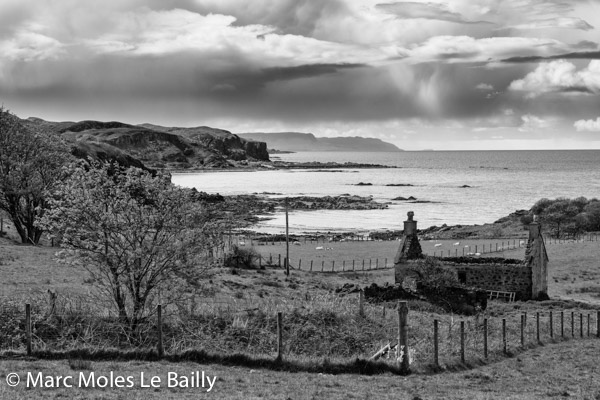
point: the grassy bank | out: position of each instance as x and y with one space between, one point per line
567 369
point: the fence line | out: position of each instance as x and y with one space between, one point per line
360 265
434 345
280 240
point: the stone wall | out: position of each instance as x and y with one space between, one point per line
526 278
506 278
500 277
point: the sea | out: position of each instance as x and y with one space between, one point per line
458 187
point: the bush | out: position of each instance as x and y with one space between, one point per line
242 258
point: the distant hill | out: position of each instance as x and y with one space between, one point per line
295 141
155 146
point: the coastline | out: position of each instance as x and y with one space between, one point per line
280 165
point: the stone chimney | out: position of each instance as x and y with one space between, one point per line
535 229
410 225
409 250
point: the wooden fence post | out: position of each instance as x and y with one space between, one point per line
598 324
403 336
159 346
344 265
572 323
28 327
436 360
311 265
279 336
279 260
522 330
551 326
333 266
562 324
504 335
537 326
300 263
485 338
462 342
352 265
581 324
322 265
588 323
361 301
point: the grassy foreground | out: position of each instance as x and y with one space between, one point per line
567 369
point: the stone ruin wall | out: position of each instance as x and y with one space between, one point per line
497 277
505 278
528 280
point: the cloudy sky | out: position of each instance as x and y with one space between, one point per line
457 74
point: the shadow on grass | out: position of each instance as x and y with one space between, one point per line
432 369
356 366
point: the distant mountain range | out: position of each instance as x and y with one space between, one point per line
295 141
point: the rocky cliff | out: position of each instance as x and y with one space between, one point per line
157 146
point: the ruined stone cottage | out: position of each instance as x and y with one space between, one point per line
523 279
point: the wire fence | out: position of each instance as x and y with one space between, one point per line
279 261
326 326
279 240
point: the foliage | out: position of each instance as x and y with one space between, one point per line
29 165
141 238
431 274
242 258
568 217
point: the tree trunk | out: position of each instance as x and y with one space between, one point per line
14 217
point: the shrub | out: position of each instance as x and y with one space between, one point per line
242 258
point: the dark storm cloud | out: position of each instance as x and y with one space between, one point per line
248 82
585 44
303 71
584 55
12 15
433 11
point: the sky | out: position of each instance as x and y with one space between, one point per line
444 75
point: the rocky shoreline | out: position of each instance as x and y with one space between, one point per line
506 227
248 207
249 166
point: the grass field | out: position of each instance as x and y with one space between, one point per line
569 368
562 370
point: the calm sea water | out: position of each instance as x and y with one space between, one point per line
500 183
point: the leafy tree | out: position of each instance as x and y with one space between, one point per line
560 214
539 207
592 215
29 166
138 235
